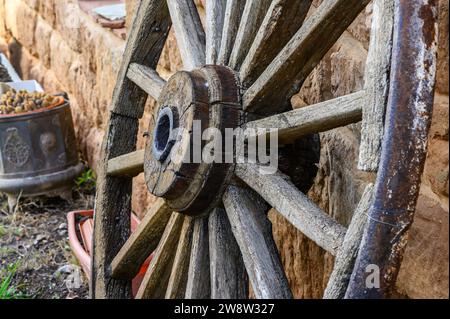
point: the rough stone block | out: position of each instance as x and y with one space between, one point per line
61 58
307 266
141 199
317 86
69 22
33 4
21 21
439 125
42 37
347 66
47 10
436 167
3 32
425 269
443 58
360 28
46 78
130 6
170 58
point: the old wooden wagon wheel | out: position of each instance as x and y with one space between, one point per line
209 230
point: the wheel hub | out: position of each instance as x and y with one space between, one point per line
190 104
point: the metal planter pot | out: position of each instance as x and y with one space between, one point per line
38 153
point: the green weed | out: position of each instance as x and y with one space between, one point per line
9 290
3 231
86 180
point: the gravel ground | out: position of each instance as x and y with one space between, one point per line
34 240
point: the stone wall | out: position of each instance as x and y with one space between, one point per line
54 42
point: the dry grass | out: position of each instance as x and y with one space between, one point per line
34 243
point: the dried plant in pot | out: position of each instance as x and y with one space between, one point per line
38 149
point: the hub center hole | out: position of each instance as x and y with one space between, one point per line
163 137
162 132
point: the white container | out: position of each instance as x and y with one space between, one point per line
29 85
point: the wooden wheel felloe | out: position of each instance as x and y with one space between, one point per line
209 229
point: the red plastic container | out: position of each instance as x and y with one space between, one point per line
82 247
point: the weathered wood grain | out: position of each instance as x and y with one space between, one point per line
128 165
272 91
147 79
156 279
253 233
142 242
215 14
187 93
346 256
296 207
176 288
228 277
113 200
282 21
378 68
112 210
198 284
233 15
188 32
311 119
253 15
144 46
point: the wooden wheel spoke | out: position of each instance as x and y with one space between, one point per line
112 213
147 79
297 208
286 73
129 165
233 14
282 20
189 32
198 284
144 46
253 233
346 256
312 119
227 270
142 242
113 201
158 273
215 13
378 67
253 15
180 269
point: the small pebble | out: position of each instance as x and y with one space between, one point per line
62 226
39 239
